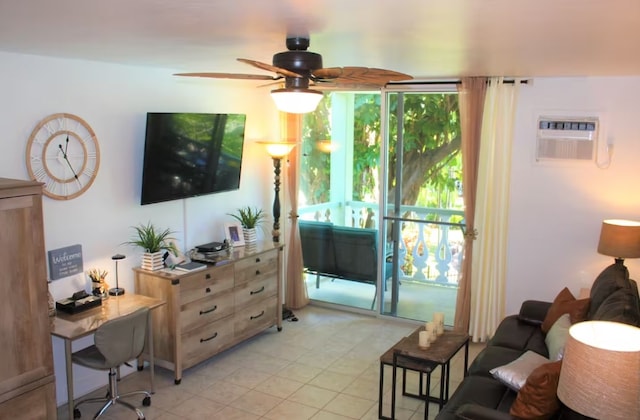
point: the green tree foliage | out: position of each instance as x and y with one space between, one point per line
430 154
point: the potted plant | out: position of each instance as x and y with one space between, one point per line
250 218
153 241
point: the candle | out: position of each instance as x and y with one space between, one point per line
423 339
438 319
433 335
429 326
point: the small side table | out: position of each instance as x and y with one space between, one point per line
407 355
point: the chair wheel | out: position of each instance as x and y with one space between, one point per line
146 401
76 413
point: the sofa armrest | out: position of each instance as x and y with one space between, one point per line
533 311
477 412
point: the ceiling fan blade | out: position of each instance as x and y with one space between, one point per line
230 76
358 76
268 67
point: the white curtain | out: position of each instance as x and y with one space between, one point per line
492 209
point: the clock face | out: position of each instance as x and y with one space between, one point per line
63 153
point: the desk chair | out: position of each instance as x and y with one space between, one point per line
116 342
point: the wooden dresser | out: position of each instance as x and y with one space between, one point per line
27 386
210 310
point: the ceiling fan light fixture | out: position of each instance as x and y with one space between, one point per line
296 101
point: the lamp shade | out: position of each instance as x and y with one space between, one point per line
278 150
600 374
296 101
620 239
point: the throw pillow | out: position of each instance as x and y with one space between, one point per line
515 374
565 303
537 399
557 337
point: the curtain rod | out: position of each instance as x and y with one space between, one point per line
447 82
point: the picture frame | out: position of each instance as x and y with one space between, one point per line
233 234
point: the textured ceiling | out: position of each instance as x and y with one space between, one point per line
424 38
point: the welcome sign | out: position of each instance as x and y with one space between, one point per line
65 262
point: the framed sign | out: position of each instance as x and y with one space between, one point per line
65 262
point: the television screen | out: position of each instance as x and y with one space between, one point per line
189 154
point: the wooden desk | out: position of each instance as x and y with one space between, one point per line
71 327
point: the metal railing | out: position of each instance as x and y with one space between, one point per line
432 240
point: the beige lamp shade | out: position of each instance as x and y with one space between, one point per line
620 239
600 375
278 150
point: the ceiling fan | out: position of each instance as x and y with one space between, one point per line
299 68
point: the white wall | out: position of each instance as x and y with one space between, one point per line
557 209
114 100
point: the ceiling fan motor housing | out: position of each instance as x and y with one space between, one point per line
298 61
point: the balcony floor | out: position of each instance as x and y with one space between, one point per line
417 300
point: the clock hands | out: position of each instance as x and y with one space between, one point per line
64 155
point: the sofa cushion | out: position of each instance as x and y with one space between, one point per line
621 306
612 278
557 337
565 303
537 399
515 374
491 357
514 333
484 391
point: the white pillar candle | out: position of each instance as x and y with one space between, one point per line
438 319
429 326
423 339
433 335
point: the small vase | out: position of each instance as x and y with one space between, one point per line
250 235
152 261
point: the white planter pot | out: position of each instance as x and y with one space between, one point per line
250 236
152 261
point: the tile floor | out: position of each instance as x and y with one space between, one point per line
325 366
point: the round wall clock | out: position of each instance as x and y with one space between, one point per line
63 153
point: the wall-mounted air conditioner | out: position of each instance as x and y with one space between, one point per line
568 138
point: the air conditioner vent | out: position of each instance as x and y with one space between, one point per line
567 138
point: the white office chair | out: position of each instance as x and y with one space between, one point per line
116 342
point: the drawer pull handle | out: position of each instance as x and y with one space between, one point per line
257 260
209 310
257 316
208 276
255 292
202 340
207 290
257 272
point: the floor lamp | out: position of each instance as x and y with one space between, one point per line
277 151
117 291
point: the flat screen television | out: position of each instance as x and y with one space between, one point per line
191 154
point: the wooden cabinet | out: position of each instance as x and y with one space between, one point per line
27 387
210 310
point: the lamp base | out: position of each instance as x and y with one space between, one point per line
116 291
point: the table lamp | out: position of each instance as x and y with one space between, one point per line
117 291
600 375
620 239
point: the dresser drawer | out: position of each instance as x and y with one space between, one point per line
205 283
200 343
255 318
254 291
206 310
257 267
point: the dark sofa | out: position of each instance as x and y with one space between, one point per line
613 297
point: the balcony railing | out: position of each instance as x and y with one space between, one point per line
432 241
